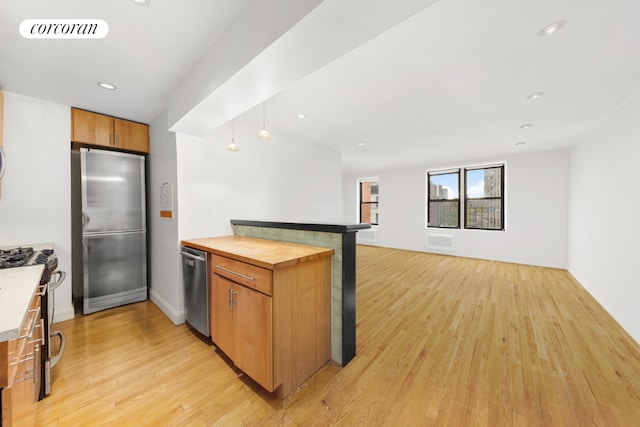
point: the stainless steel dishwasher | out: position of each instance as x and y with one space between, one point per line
195 277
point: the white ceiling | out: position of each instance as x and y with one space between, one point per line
448 84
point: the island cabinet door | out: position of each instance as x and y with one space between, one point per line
254 335
222 314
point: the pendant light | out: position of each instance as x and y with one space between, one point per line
232 146
264 134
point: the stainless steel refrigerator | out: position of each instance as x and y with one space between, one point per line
113 229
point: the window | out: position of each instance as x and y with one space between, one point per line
481 205
484 204
443 199
369 199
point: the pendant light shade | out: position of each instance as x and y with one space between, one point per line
264 134
232 146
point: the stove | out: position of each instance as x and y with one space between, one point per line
20 257
16 257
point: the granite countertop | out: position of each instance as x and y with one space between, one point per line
17 286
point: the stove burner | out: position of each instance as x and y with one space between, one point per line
16 257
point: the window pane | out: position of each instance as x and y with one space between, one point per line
484 183
444 214
484 213
369 198
369 191
369 213
443 187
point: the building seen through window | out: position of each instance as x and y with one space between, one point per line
443 199
484 201
481 204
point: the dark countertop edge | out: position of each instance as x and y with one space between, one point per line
328 227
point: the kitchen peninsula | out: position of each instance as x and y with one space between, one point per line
341 237
270 307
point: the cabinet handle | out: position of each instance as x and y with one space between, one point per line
31 373
33 325
229 297
117 140
27 375
219 267
26 357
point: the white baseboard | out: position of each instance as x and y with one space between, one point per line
177 317
64 313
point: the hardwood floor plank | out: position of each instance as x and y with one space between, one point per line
441 341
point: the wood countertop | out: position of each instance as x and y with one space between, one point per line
17 286
270 254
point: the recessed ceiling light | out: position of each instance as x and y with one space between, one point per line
520 143
535 95
107 86
361 144
526 126
142 2
302 116
551 28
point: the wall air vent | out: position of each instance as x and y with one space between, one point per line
367 236
444 242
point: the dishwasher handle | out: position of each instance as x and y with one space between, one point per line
192 256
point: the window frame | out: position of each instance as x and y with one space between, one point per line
430 200
361 202
463 197
467 199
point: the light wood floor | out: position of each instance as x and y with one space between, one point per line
441 341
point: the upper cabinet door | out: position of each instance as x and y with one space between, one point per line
131 135
99 130
91 128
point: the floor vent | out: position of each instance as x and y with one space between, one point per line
368 236
441 241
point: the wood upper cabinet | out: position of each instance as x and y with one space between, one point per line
106 131
131 135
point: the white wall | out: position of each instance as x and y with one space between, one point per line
536 211
35 204
604 214
164 265
279 180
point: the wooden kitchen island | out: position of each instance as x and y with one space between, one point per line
270 307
